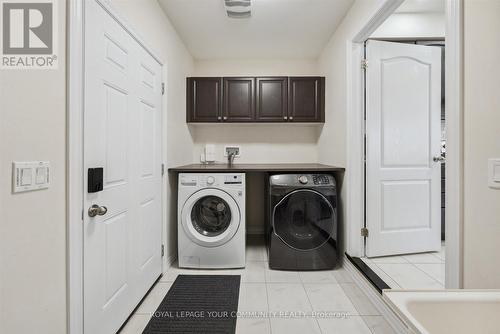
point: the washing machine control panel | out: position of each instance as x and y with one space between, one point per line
188 180
233 179
212 180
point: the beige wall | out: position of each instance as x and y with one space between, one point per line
262 143
147 18
256 67
412 25
332 64
33 224
481 142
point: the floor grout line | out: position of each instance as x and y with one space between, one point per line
435 255
372 263
363 318
382 270
311 305
392 278
268 308
350 299
301 282
415 265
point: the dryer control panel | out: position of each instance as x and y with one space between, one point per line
302 180
321 179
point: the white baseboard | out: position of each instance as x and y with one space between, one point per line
375 297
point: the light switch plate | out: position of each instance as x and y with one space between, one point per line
26 177
31 175
494 173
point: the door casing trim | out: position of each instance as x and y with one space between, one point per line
74 162
454 118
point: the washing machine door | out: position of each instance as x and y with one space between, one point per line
304 219
210 217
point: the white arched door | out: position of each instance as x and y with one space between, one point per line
403 148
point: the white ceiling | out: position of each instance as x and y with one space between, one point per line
297 29
422 6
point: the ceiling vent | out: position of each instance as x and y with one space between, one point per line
238 9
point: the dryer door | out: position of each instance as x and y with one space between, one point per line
210 217
304 219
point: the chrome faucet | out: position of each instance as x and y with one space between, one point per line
230 158
231 153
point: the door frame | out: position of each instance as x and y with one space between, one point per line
454 141
74 161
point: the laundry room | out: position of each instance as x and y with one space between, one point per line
249 166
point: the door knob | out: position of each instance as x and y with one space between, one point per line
439 158
96 210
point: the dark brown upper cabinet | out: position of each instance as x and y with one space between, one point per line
204 99
239 100
306 99
255 99
272 99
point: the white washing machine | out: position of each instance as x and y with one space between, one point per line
211 218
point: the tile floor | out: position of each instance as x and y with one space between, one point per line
413 271
263 290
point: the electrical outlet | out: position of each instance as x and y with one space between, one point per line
232 149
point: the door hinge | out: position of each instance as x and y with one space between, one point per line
162 169
364 64
162 88
162 250
364 232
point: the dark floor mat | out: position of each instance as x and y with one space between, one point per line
198 304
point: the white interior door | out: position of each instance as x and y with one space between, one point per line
403 135
122 135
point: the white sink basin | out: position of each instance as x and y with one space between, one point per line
447 311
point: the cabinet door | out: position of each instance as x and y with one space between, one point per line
239 100
272 99
204 99
306 101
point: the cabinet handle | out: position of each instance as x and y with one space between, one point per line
219 118
225 117
285 117
291 117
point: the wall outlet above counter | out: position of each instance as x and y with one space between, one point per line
234 149
209 155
